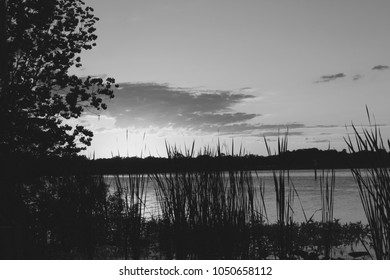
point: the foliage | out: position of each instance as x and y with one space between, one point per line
374 185
64 216
38 95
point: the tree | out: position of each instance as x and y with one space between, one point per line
44 40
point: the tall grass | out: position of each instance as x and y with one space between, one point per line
327 187
374 184
210 210
130 191
284 191
205 214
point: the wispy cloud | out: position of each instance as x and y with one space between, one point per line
248 89
278 133
357 77
380 67
324 126
318 141
328 78
256 129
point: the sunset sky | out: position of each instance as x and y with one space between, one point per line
224 69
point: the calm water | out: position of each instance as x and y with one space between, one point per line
347 205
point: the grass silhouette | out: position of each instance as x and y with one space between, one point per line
374 184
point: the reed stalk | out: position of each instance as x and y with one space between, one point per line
327 187
131 194
374 184
284 191
210 210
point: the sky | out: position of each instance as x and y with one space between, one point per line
237 71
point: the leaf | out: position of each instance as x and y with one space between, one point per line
45 38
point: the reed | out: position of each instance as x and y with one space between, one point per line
327 187
374 184
205 214
172 192
284 191
210 210
130 191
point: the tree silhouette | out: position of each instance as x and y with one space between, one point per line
43 40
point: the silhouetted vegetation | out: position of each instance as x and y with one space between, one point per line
374 185
208 209
327 188
205 214
298 159
39 42
208 215
43 40
284 191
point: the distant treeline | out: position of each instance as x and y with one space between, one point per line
297 159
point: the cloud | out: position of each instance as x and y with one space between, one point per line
281 126
357 77
318 141
280 133
141 105
328 78
165 109
248 89
380 67
254 129
324 126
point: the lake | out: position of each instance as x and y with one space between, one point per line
347 204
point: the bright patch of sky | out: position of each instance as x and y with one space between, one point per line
199 70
